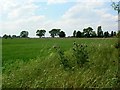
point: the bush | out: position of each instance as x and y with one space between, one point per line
63 60
80 53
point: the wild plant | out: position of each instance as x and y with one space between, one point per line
63 60
117 44
80 53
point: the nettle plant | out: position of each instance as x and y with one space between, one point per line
80 53
63 59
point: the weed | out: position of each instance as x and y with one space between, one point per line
43 66
80 53
63 60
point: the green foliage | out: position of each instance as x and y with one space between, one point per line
78 34
106 34
99 31
24 34
80 53
118 34
117 45
62 34
42 68
54 32
63 59
74 33
112 33
14 36
87 31
7 36
40 33
93 34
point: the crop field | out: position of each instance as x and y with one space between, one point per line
35 63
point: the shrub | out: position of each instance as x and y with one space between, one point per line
80 53
63 60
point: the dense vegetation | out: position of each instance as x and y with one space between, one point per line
80 61
37 63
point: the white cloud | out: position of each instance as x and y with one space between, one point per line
85 14
14 9
30 24
20 15
22 12
56 1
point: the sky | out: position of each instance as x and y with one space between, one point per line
67 15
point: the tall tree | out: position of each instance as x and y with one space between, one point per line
106 34
112 34
74 33
54 32
87 31
93 34
5 36
40 33
99 31
24 34
62 34
14 36
9 36
78 34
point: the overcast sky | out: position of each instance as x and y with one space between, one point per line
68 15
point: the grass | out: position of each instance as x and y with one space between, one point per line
34 63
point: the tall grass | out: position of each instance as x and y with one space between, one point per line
43 69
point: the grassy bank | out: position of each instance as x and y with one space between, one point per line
34 63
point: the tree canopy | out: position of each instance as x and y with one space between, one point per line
24 34
54 32
74 33
87 31
40 33
99 31
78 34
62 34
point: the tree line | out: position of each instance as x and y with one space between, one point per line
86 33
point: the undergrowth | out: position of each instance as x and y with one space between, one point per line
91 66
79 54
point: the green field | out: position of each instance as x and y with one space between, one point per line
34 63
